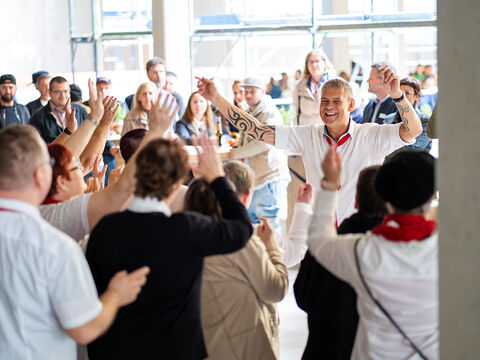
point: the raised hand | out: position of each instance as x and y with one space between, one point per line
95 102
207 89
115 175
332 165
305 194
267 234
128 286
161 116
111 107
70 117
209 164
391 83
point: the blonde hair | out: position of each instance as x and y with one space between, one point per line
328 65
137 110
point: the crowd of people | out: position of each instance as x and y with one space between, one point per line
181 255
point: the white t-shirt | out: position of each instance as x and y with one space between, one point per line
403 276
45 286
368 145
69 216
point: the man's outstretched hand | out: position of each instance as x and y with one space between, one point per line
207 89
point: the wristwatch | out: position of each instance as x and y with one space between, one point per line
95 122
400 98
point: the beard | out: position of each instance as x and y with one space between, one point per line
7 98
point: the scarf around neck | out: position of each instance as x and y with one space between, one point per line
404 227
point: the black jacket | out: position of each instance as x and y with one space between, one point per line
330 302
46 123
34 106
21 114
164 322
386 108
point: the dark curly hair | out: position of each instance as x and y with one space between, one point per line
159 166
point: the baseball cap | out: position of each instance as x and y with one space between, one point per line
8 79
104 79
36 76
253 82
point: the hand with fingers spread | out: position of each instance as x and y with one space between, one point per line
95 102
161 115
267 234
128 286
209 164
70 117
115 175
207 89
332 165
305 194
390 82
97 173
110 105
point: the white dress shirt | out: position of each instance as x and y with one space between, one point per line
367 145
295 244
45 286
403 276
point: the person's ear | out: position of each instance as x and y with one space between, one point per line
61 183
351 106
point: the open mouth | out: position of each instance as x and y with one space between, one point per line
330 115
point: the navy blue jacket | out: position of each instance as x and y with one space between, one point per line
21 113
386 108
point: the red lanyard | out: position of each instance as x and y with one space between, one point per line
10 210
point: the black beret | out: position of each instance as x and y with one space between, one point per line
406 180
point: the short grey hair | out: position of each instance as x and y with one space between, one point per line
381 64
240 176
154 61
338 83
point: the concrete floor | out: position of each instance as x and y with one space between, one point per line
293 326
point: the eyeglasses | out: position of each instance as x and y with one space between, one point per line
315 62
58 92
78 165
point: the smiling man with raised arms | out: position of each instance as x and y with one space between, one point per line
360 145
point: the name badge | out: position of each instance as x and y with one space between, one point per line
382 116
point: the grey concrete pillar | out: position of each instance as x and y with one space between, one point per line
458 177
171 39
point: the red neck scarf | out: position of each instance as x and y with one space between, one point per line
410 227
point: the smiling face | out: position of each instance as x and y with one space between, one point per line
335 106
59 93
198 106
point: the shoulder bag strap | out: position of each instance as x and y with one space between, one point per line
380 306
